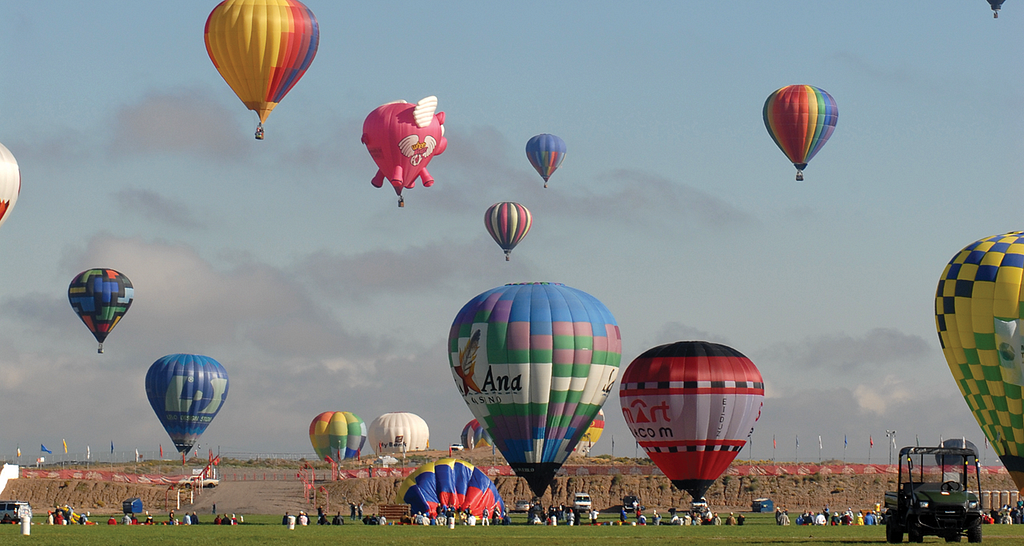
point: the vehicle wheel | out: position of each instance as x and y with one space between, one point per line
893 533
914 534
974 533
953 538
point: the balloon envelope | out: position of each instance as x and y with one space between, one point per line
402 138
100 297
261 48
534 363
398 432
691 406
593 433
10 183
545 152
507 223
800 119
338 435
186 392
451 482
474 435
978 318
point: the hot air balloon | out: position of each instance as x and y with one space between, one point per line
800 119
402 138
398 432
691 406
592 434
545 153
10 183
977 315
186 392
100 297
996 4
474 435
338 435
507 223
534 362
261 48
451 482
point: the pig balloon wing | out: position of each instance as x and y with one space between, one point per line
402 138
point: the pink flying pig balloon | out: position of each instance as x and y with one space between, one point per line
401 139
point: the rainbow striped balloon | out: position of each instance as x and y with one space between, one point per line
261 48
507 223
800 119
338 435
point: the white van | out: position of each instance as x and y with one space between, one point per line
581 501
15 510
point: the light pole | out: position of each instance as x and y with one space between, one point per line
891 434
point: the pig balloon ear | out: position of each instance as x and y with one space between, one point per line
424 111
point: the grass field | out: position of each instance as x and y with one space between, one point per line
268 530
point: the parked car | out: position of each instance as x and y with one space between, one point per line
457 447
14 510
581 501
522 506
631 502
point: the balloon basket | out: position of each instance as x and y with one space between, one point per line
401 203
799 176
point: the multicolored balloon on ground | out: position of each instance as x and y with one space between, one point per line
978 317
451 482
507 223
261 48
402 138
186 392
592 435
534 362
691 406
545 153
474 435
10 183
800 119
398 432
100 297
337 435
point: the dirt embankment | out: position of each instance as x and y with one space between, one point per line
797 493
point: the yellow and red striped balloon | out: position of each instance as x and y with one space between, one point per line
262 48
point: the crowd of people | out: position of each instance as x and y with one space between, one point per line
172 519
829 517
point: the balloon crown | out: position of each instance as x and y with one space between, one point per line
535 282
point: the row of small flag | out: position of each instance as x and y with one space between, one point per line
88 450
871 441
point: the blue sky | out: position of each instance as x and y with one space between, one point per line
673 206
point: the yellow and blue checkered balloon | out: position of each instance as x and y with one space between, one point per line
978 316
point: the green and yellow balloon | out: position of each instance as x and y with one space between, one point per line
978 315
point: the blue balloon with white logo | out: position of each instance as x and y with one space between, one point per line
186 392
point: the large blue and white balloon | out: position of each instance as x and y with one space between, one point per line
186 392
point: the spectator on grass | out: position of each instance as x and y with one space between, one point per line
126 520
284 520
869 518
731 520
110 521
338 520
